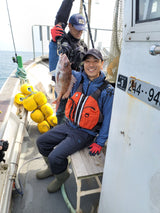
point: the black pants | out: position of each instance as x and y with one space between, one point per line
61 111
60 142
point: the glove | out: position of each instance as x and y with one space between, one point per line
56 32
94 149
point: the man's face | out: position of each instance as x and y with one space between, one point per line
75 33
92 67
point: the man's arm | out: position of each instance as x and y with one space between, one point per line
61 19
57 31
107 110
96 147
64 12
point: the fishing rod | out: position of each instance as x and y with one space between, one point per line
21 73
14 59
89 29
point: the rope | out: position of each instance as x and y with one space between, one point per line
18 184
69 205
22 75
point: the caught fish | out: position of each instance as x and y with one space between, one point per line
64 78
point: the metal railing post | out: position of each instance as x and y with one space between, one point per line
33 45
41 38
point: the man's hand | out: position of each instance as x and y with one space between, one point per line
56 32
94 149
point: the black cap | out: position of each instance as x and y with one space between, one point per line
94 52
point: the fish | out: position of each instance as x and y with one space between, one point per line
64 78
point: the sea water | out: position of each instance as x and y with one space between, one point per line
7 65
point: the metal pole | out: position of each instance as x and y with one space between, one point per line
11 29
41 37
89 29
33 42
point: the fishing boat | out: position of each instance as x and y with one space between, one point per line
131 173
132 170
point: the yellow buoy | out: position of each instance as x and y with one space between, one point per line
40 98
47 109
43 126
26 89
52 120
18 99
37 116
29 103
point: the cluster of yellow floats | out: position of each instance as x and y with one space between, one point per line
36 102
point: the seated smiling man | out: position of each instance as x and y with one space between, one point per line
69 43
88 113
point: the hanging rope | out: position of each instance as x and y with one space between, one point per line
22 75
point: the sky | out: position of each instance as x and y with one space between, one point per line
26 13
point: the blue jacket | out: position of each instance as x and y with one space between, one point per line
105 102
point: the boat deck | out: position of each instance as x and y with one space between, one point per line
35 196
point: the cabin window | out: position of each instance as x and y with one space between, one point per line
147 10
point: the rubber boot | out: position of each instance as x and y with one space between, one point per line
56 184
46 172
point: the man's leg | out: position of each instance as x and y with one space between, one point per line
76 140
61 111
46 143
46 172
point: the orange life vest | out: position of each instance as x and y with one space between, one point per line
84 110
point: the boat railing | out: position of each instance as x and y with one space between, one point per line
101 37
41 37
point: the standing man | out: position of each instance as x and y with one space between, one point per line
69 43
88 113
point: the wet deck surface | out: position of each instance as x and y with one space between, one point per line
35 196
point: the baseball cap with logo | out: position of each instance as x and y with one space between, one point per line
78 21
